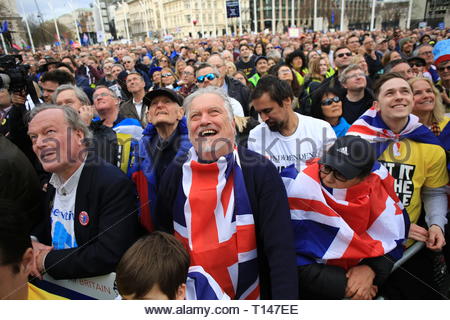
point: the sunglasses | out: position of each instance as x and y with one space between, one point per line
209 77
348 54
164 75
416 64
446 68
326 169
329 101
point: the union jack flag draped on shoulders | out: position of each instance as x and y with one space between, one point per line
371 127
214 220
343 226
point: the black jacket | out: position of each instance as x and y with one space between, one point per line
268 199
110 201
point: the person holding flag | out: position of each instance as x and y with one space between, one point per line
349 224
415 158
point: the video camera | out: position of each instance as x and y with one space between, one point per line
14 76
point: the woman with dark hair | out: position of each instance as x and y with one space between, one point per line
260 49
327 105
286 73
241 77
296 60
164 62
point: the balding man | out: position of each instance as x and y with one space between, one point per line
90 204
231 86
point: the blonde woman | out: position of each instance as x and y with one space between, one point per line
179 67
428 105
361 62
231 68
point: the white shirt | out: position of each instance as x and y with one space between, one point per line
309 140
138 106
237 107
63 211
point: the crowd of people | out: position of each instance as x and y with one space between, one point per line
251 167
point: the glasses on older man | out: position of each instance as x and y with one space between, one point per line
103 94
209 77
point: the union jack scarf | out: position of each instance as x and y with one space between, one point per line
201 286
343 226
371 127
214 220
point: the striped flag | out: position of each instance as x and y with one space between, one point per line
213 219
371 127
343 226
201 286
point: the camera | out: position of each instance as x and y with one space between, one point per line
12 67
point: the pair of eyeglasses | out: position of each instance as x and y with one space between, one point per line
126 62
446 68
187 73
164 61
165 75
348 54
329 101
209 77
357 75
103 94
326 169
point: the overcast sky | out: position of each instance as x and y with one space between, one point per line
60 7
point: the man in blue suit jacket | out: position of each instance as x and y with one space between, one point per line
92 206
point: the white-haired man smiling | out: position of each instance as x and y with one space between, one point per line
228 206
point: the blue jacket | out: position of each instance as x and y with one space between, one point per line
143 171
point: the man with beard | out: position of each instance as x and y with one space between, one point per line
325 47
285 137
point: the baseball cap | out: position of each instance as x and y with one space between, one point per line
350 155
175 97
419 59
260 58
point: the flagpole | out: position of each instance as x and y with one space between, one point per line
372 19
342 14
408 21
240 19
3 42
56 25
28 28
273 16
75 21
255 22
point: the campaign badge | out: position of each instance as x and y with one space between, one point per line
83 218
